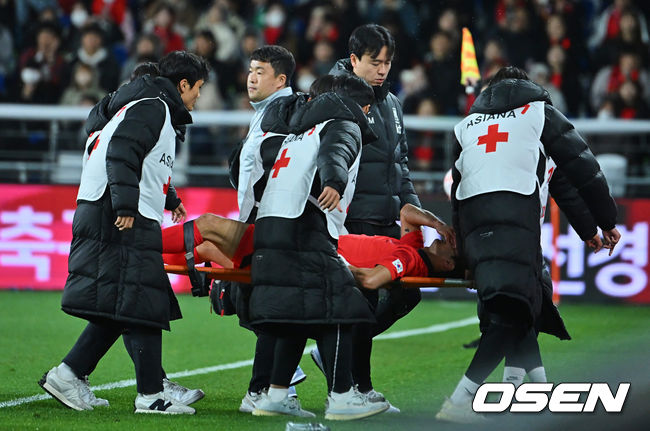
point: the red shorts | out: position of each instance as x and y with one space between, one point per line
244 252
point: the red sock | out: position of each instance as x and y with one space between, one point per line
173 240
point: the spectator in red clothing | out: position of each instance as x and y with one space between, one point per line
609 79
628 39
163 22
608 25
565 77
42 70
629 103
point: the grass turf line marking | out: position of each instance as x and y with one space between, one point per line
441 327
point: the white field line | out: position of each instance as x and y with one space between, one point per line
441 327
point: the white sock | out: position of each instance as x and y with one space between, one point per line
537 375
154 396
278 394
514 375
337 396
66 372
464 392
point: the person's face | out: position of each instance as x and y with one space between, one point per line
47 42
189 94
373 70
442 255
202 46
555 28
262 81
145 48
91 42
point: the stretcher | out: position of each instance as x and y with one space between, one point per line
244 276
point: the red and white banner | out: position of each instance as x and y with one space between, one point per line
36 230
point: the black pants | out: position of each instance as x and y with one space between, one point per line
143 344
390 305
335 346
263 362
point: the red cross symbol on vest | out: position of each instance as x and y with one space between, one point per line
493 136
282 162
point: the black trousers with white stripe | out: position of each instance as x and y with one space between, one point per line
335 346
144 345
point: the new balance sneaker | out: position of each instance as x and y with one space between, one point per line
352 405
250 400
89 397
69 392
288 406
180 394
315 356
375 396
299 376
160 404
459 413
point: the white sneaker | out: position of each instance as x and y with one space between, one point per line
459 413
352 405
378 396
315 356
250 400
298 377
160 404
70 392
180 394
89 397
288 406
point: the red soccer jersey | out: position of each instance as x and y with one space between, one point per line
400 256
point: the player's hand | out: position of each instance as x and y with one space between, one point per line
596 243
329 199
124 222
610 239
179 214
448 233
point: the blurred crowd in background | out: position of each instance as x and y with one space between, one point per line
591 55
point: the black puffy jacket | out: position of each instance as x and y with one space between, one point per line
384 184
118 275
296 272
499 232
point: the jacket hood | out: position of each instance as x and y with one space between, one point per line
508 94
330 106
279 112
344 66
142 87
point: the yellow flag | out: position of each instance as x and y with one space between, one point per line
468 64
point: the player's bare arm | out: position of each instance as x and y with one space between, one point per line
412 218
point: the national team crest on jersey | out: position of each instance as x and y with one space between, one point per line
398 266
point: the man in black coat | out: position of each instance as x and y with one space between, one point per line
383 185
116 279
506 139
300 287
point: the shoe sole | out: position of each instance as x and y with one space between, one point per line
246 409
160 412
258 412
58 395
317 363
350 417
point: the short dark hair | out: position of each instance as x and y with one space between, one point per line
355 88
321 85
509 72
95 28
280 59
179 65
146 68
370 39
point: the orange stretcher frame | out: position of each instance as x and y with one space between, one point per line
244 276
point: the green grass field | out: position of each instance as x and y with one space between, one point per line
415 372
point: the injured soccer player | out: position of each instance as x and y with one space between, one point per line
374 260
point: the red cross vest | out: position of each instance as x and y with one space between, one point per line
156 167
290 181
500 152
